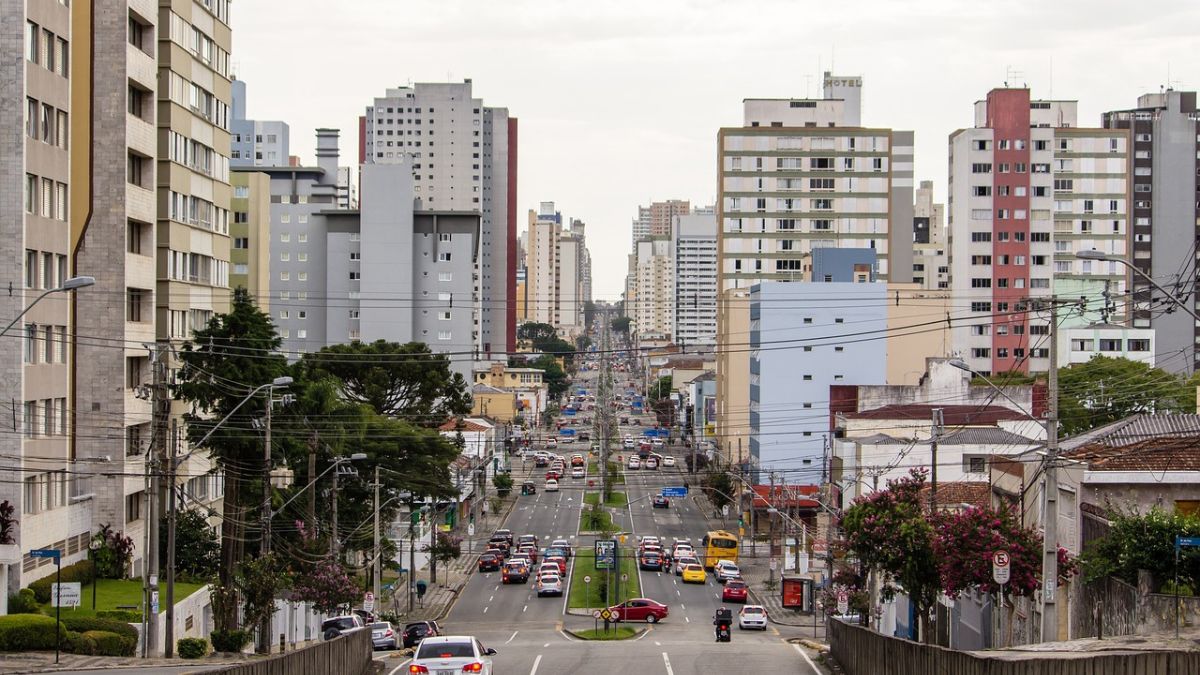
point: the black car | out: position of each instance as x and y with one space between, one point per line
660 502
514 573
506 534
490 562
651 561
419 630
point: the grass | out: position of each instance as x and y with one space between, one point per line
587 596
615 499
113 592
593 472
595 521
613 633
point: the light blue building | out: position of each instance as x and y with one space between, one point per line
805 337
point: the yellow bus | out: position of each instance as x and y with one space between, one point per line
719 545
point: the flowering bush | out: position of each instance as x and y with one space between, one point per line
966 541
326 586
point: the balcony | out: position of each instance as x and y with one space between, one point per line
141 67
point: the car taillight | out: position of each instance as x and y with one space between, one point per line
473 668
389 633
417 669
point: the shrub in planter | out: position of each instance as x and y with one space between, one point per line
230 640
111 644
24 602
80 571
83 624
27 632
79 644
191 648
126 615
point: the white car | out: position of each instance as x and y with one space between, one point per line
452 654
629 444
549 584
547 568
635 463
551 444
658 443
668 461
725 570
578 472
551 485
651 463
681 550
752 616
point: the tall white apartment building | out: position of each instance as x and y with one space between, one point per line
653 312
463 157
1028 189
931 261
558 271
694 272
800 174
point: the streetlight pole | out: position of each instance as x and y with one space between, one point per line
1093 254
72 284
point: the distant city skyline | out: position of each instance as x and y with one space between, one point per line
620 104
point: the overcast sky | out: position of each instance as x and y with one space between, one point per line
619 102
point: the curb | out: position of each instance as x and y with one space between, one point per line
811 644
638 632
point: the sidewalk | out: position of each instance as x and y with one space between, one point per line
43 662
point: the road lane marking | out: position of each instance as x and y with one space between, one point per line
491 598
685 619
510 639
536 661
808 660
657 643
485 609
397 668
667 663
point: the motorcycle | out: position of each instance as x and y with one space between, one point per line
722 620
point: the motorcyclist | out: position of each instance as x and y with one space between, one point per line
722 620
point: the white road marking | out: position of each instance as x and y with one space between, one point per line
397 668
545 645
536 661
685 619
657 643
491 598
485 609
510 639
808 660
667 663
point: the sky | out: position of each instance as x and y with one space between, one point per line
620 101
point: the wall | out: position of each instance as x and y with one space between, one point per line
347 655
1129 610
909 341
733 374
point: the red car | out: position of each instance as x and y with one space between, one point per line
553 475
560 561
639 609
734 591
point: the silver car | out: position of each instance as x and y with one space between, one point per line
549 584
385 636
752 617
451 655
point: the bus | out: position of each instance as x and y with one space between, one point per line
719 545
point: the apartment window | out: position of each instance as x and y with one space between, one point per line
981 168
133 506
33 41
136 170
981 353
981 306
981 260
1108 345
981 236
138 34
355 276
445 276
241 242
443 335
1138 345
981 282
136 305
355 255
301 334
135 234
1082 345
974 463
443 316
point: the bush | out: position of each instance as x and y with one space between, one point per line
1168 588
28 632
80 571
126 615
191 648
84 624
79 644
23 602
230 640
110 644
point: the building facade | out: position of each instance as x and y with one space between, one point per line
256 142
1164 131
694 275
653 310
250 235
931 264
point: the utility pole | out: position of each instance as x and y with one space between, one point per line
412 556
172 511
935 435
375 567
156 462
312 475
771 525
264 629
333 535
1050 540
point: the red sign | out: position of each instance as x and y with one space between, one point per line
793 593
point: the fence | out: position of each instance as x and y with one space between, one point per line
349 654
863 652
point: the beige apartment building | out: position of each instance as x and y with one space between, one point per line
733 375
250 235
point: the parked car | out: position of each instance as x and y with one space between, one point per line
752 616
640 609
385 636
416 631
452 654
340 625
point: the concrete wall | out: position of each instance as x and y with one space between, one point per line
910 339
388 268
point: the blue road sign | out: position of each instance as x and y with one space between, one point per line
674 491
1181 542
45 553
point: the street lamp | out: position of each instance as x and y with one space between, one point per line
74 283
93 547
1049 495
1093 254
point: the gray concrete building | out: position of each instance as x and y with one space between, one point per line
1165 161
694 272
462 156
255 142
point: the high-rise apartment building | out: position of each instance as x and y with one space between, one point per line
1028 189
250 234
655 219
653 312
800 174
931 263
1165 177
694 274
557 271
463 158
256 142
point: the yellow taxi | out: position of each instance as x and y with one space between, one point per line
694 574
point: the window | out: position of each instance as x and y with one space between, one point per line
355 276
1109 345
137 305
133 507
981 306
981 282
981 236
443 335
241 242
981 168
444 256
974 463
445 276
981 353
136 173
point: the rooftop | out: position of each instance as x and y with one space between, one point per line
785 496
1151 454
953 415
958 494
468 424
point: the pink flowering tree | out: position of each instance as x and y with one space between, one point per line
326 586
966 541
890 534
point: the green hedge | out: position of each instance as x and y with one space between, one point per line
230 640
28 632
110 644
80 571
191 648
126 615
23 602
84 624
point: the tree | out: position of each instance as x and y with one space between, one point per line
718 486
661 388
553 375
582 343
966 541
536 332
1107 389
445 547
327 586
398 380
503 483
621 324
115 551
589 313
888 532
258 581
1137 541
222 363
197 550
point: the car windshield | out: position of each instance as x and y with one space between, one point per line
344 623
381 626
445 650
735 584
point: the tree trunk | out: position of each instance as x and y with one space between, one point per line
232 549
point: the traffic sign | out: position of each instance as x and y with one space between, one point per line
45 553
605 614
1001 571
65 594
624 577
471 530
1187 541
587 579
680 491
596 614
369 601
843 599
